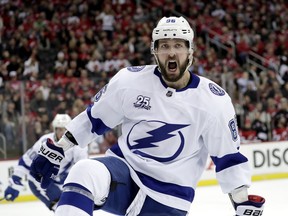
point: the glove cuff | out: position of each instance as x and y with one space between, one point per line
240 194
65 143
16 184
20 171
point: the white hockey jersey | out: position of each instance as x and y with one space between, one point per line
71 157
167 134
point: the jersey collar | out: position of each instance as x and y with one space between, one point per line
192 84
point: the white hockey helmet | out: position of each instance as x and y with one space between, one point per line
60 121
173 27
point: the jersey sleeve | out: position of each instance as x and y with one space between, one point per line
102 115
80 153
223 144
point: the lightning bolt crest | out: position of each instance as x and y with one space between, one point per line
157 135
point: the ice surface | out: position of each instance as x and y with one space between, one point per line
208 201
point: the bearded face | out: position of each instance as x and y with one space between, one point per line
173 70
173 58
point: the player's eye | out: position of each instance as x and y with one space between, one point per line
164 46
179 46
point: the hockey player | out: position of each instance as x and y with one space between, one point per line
51 195
171 119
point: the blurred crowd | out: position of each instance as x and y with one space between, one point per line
55 55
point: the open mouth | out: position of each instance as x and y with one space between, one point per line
172 65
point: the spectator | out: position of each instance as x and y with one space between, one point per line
3 105
45 89
83 55
108 20
61 63
281 117
38 104
280 120
246 133
121 61
15 65
260 127
31 67
283 69
13 76
109 64
10 119
284 90
94 66
25 50
43 40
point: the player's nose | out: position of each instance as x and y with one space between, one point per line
172 52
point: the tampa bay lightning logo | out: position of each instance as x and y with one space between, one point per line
158 140
216 89
135 68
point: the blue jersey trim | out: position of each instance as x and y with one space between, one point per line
21 162
98 125
186 193
182 192
77 200
195 80
116 150
228 161
48 196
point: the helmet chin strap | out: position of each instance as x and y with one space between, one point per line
55 137
190 60
157 61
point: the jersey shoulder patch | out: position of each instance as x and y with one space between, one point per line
135 68
215 89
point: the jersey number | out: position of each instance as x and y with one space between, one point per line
233 129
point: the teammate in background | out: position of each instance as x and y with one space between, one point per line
171 119
51 195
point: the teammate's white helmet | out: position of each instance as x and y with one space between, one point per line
60 121
173 27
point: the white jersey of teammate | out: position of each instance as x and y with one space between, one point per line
167 134
71 157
